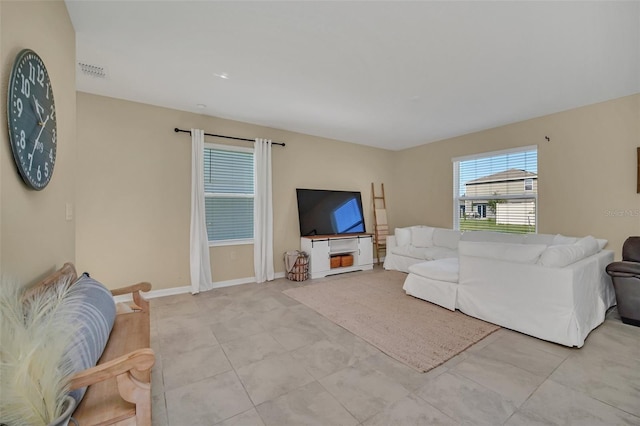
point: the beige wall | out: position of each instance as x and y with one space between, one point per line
134 189
587 172
35 238
134 171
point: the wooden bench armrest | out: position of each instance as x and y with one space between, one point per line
139 302
143 286
136 362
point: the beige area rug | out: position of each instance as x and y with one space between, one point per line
374 307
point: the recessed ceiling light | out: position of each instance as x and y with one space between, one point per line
201 106
223 75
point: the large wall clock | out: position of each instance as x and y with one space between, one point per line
31 115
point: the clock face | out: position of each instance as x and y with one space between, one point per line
32 120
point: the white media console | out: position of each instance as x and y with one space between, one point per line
326 251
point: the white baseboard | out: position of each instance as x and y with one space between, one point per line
187 289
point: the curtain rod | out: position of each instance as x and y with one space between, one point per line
226 137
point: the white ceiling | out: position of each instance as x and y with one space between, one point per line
386 74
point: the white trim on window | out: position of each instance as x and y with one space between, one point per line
242 242
495 153
228 147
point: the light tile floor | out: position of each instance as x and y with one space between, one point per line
249 355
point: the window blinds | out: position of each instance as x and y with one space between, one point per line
229 192
497 191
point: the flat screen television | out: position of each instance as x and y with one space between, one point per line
324 212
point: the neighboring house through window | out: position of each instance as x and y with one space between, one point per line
229 194
497 191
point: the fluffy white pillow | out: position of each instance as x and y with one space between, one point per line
403 236
601 243
421 236
510 252
562 240
559 256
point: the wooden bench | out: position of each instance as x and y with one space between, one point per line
119 386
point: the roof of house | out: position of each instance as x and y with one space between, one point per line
511 174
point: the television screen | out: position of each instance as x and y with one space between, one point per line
323 212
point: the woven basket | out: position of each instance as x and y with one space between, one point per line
335 261
300 270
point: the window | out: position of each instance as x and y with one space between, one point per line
528 184
496 191
228 194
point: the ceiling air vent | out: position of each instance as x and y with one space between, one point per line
92 70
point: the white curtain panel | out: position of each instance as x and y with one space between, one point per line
263 213
199 245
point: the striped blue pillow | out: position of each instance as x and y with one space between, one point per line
96 315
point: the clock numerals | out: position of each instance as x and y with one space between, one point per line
26 86
53 136
48 87
32 73
41 77
52 114
19 107
22 140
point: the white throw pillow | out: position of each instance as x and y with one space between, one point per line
421 236
448 238
403 236
561 240
601 243
559 256
510 252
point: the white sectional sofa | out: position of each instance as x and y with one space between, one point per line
548 286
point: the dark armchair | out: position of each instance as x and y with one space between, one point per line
626 281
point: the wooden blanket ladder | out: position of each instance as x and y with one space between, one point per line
380 225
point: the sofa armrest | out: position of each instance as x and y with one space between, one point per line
140 360
624 269
391 241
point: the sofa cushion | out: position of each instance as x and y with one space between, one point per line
403 236
559 256
518 253
492 237
409 251
421 236
424 253
435 253
439 270
448 238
